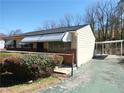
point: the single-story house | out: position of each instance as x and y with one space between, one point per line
2 42
79 40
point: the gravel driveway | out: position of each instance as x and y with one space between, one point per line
103 75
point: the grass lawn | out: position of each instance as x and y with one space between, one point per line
5 54
29 88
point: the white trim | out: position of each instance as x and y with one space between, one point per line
67 37
113 41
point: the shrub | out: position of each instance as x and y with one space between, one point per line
56 59
1 68
29 66
37 65
3 57
10 64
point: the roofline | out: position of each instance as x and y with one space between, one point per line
8 37
53 29
23 34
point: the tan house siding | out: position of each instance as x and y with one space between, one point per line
74 40
34 45
17 45
85 45
45 45
18 39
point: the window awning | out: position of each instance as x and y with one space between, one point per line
31 39
23 43
10 42
64 37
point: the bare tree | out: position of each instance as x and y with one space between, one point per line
15 32
103 19
121 17
50 24
66 21
90 17
78 20
38 28
46 25
53 24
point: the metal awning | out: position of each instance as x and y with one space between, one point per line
52 37
64 37
31 39
23 43
10 42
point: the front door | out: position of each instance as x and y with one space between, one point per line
40 46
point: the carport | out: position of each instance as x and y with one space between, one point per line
101 46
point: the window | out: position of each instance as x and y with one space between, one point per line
26 46
59 46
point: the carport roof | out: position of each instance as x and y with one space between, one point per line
112 41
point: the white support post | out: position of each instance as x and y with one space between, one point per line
110 49
115 42
96 50
102 49
121 48
116 48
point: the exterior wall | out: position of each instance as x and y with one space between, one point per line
35 45
2 44
17 39
85 45
74 40
17 45
45 45
59 47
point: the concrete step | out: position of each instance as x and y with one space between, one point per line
64 70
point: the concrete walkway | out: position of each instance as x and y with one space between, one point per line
105 75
